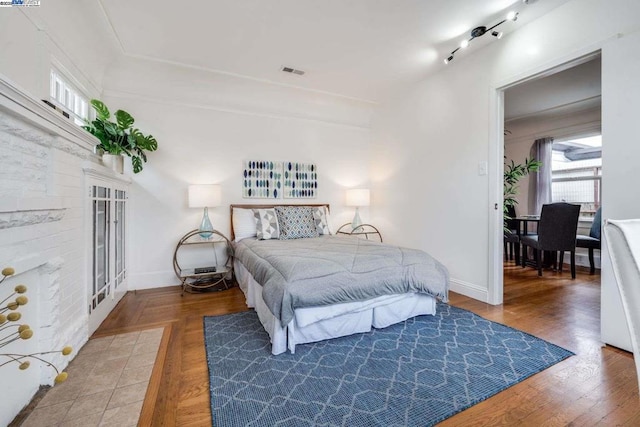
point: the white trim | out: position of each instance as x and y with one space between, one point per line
496 172
40 24
111 27
153 279
496 145
17 101
201 106
565 133
470 290
96 171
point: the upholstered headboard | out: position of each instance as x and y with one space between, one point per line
265 206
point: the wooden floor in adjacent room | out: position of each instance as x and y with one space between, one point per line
596 387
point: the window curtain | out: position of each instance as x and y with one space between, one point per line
540 182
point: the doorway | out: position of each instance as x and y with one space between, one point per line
562 105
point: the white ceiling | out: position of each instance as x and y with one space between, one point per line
357 48
575 89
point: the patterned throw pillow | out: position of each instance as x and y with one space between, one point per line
321 219
266 224
296 222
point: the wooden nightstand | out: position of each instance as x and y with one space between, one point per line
215 274
364 231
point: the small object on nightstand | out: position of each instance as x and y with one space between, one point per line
363 231
216 277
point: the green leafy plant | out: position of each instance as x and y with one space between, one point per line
120 137
512 174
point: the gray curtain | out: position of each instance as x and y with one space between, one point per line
540 182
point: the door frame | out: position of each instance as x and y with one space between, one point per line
495 281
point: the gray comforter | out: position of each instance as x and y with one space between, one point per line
329 270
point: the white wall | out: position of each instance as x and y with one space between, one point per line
620 154
207 124
68 34
429 140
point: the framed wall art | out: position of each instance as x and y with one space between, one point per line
300 180
262 179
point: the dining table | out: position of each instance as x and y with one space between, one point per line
522 229
523 223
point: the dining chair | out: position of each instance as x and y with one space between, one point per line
623 242
557 232
511 236
592 241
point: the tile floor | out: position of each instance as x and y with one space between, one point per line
106 386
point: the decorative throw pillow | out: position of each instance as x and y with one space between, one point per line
244 224
296 222
321 219
266 224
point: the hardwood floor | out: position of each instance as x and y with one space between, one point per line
595 387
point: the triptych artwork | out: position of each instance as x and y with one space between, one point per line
265 179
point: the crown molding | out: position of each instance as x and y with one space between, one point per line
19 103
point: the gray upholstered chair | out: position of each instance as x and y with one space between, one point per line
592 241
557 232
623 242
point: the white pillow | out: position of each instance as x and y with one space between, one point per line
244 224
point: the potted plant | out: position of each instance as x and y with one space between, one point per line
119 138
512 174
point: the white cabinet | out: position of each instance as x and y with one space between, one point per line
106 219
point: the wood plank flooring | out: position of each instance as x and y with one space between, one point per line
597 387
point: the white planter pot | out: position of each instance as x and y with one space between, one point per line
114 162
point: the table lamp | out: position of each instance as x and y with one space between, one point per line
357 197
205 196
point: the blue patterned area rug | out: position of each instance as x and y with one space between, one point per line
415 373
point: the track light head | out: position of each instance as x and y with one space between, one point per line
464 43
478 31
449 59
497 34
512 16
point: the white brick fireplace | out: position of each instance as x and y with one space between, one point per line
42 233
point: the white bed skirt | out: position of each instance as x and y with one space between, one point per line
320 323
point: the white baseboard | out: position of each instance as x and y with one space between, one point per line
470 290
583 259
156 279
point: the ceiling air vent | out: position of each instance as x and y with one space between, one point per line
293 71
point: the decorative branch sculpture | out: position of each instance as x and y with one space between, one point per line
21 332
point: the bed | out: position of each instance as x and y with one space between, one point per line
316 288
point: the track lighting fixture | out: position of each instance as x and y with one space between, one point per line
480 31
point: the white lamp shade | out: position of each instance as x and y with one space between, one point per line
202 196
358 197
